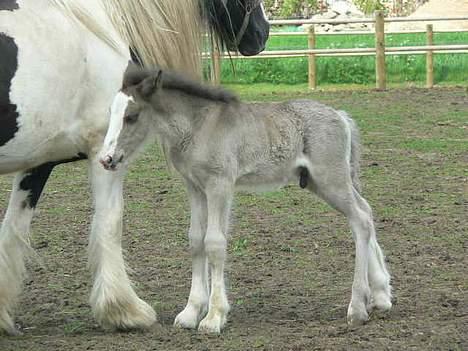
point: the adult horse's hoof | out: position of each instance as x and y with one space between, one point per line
115 315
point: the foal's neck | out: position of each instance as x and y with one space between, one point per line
183 113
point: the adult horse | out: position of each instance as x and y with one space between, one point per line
49 48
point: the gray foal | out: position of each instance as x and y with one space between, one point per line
219 144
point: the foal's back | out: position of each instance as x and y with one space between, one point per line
284 124
265 142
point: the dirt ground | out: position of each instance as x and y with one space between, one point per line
436 9
291 256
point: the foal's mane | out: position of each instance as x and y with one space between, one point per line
174 81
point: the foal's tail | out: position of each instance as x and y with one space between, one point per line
355 154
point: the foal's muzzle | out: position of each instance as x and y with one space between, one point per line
110 163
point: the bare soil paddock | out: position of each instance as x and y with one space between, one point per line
291 256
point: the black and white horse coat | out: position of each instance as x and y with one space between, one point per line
57 80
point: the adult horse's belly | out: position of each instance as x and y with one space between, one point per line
45 88
43 65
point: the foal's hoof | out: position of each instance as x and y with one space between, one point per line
15 332
7 326
187 319
11 331
381 301
357 316
212 325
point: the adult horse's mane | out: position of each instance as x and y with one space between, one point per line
160 31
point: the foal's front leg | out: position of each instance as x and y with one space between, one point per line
197 304
219 198
115 304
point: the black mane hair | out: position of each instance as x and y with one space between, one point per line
219 23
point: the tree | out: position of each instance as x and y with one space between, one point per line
295 7
291 8
369 6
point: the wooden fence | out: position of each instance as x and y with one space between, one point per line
380 51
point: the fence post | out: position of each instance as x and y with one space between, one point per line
430 57
380 74
216 64
312 64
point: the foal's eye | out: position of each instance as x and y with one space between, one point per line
130 119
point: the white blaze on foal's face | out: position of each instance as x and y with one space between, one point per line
124 114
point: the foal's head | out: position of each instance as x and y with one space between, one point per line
130 117
145 97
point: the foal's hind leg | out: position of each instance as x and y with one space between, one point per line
335 187
115 304
14 239
379 278
197 304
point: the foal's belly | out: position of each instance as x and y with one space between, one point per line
260 187
267 179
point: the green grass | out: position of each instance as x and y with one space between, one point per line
350 70
290 261
74 328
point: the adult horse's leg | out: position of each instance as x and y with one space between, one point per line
14 238
219 197
197 304
115 304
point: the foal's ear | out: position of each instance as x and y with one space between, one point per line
151 84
